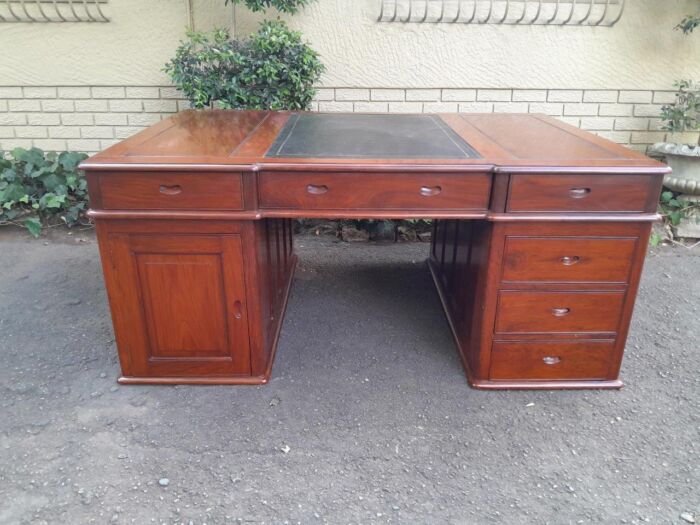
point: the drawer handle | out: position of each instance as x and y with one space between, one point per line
170 190
237 310
314 189
579 193
560 312
551 360
430 191
570 261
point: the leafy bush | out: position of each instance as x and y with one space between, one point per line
684 113
37 188
272 69
285 6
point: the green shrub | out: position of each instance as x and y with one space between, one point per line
272 69
285 6
38 188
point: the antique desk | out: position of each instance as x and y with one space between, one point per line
539 236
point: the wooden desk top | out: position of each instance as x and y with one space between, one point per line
220 140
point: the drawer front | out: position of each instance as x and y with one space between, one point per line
170 191
379 191
582 193
568 259
558 312
548 360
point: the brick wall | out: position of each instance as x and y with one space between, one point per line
92 118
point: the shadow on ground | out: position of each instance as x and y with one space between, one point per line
368 417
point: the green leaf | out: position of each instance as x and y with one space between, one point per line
666 196
34 226
675 217
52 201
655 239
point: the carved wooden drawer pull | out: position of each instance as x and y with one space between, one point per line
314 189
551 360
237 310
170 190
560 312
429 191
579 193
570 261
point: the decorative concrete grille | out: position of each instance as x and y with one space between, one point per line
52 11
605 13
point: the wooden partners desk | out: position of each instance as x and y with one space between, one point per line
537 250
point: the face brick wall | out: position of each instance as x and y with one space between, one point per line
90 119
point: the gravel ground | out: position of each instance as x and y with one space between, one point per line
368 418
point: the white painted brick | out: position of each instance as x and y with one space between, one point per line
572 121
405 107
24 105
440 107
13 119
494 95
74 92
104 144
345 94
50 144
664 97
126 106
86 145
324 94
126 131
142 92
600 96
7 132
615 110
64 132
11 92
597 123
43 119
91 106
77 119
458 95
564 95
110 119
631 124
656 124
57 106
183 105
97 132
647 137
510 107
335 107
39 92
31 132
641 148
160 106
16 143
548 108
143 119
621 137
417 95
636 97
529 95
647 110
171 92
313 106
371 107
3 105
107 92
580 109
388 95
476 107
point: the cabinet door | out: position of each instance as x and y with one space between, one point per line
178 303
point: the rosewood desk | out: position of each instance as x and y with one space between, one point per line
539 236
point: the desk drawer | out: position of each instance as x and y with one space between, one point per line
558 312
547 360
568 259
375 191
582 193
170 191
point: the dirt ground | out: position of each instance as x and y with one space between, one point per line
368 417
